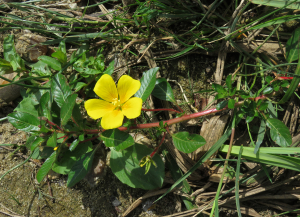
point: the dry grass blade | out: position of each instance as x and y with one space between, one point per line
147 195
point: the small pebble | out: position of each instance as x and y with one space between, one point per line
115 201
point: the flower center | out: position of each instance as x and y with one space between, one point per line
117 103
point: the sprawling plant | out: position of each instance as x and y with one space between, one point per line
53 115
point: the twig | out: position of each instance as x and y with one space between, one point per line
147 195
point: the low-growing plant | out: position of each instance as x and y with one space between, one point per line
61 132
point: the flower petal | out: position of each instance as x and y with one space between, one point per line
97 108
112 120
127 86
132 108
106 88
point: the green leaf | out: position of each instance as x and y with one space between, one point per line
79 85
37 142
60 56
220 96
268 90
279 132
53 63
77 116
60 89
125 165
27 106
222 104
61 53
69 158
42 154
249 118
147 84
187 142
80 169
9 48
40 68
52 141
292 46
231 103
228 82
5 67
263 106
110 68
116 138
24 121
45 106
219 89
163 90
29 141
67 108
89 71
46 167
76 142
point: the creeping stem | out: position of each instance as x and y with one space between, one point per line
161 142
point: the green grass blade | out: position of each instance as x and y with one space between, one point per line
237 183
294 84
286 162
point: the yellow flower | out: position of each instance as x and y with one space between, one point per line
116 101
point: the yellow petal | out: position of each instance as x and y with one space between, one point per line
127 86
113 119
97 108
106 88
132 108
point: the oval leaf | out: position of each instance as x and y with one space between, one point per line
37 142
80 169
186 142
45 106
279 132
67 108
69 158
292 47
116 138
24 121
110 68
222 104
46 167
60 89
125 165
53 63
163 90
147 84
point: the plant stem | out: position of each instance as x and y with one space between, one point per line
161 109
161 142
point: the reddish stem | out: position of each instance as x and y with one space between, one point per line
67 137
90 139
53 124
45 82
285 78
180 108
62 137
154 110
155 150
74 121
172 121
